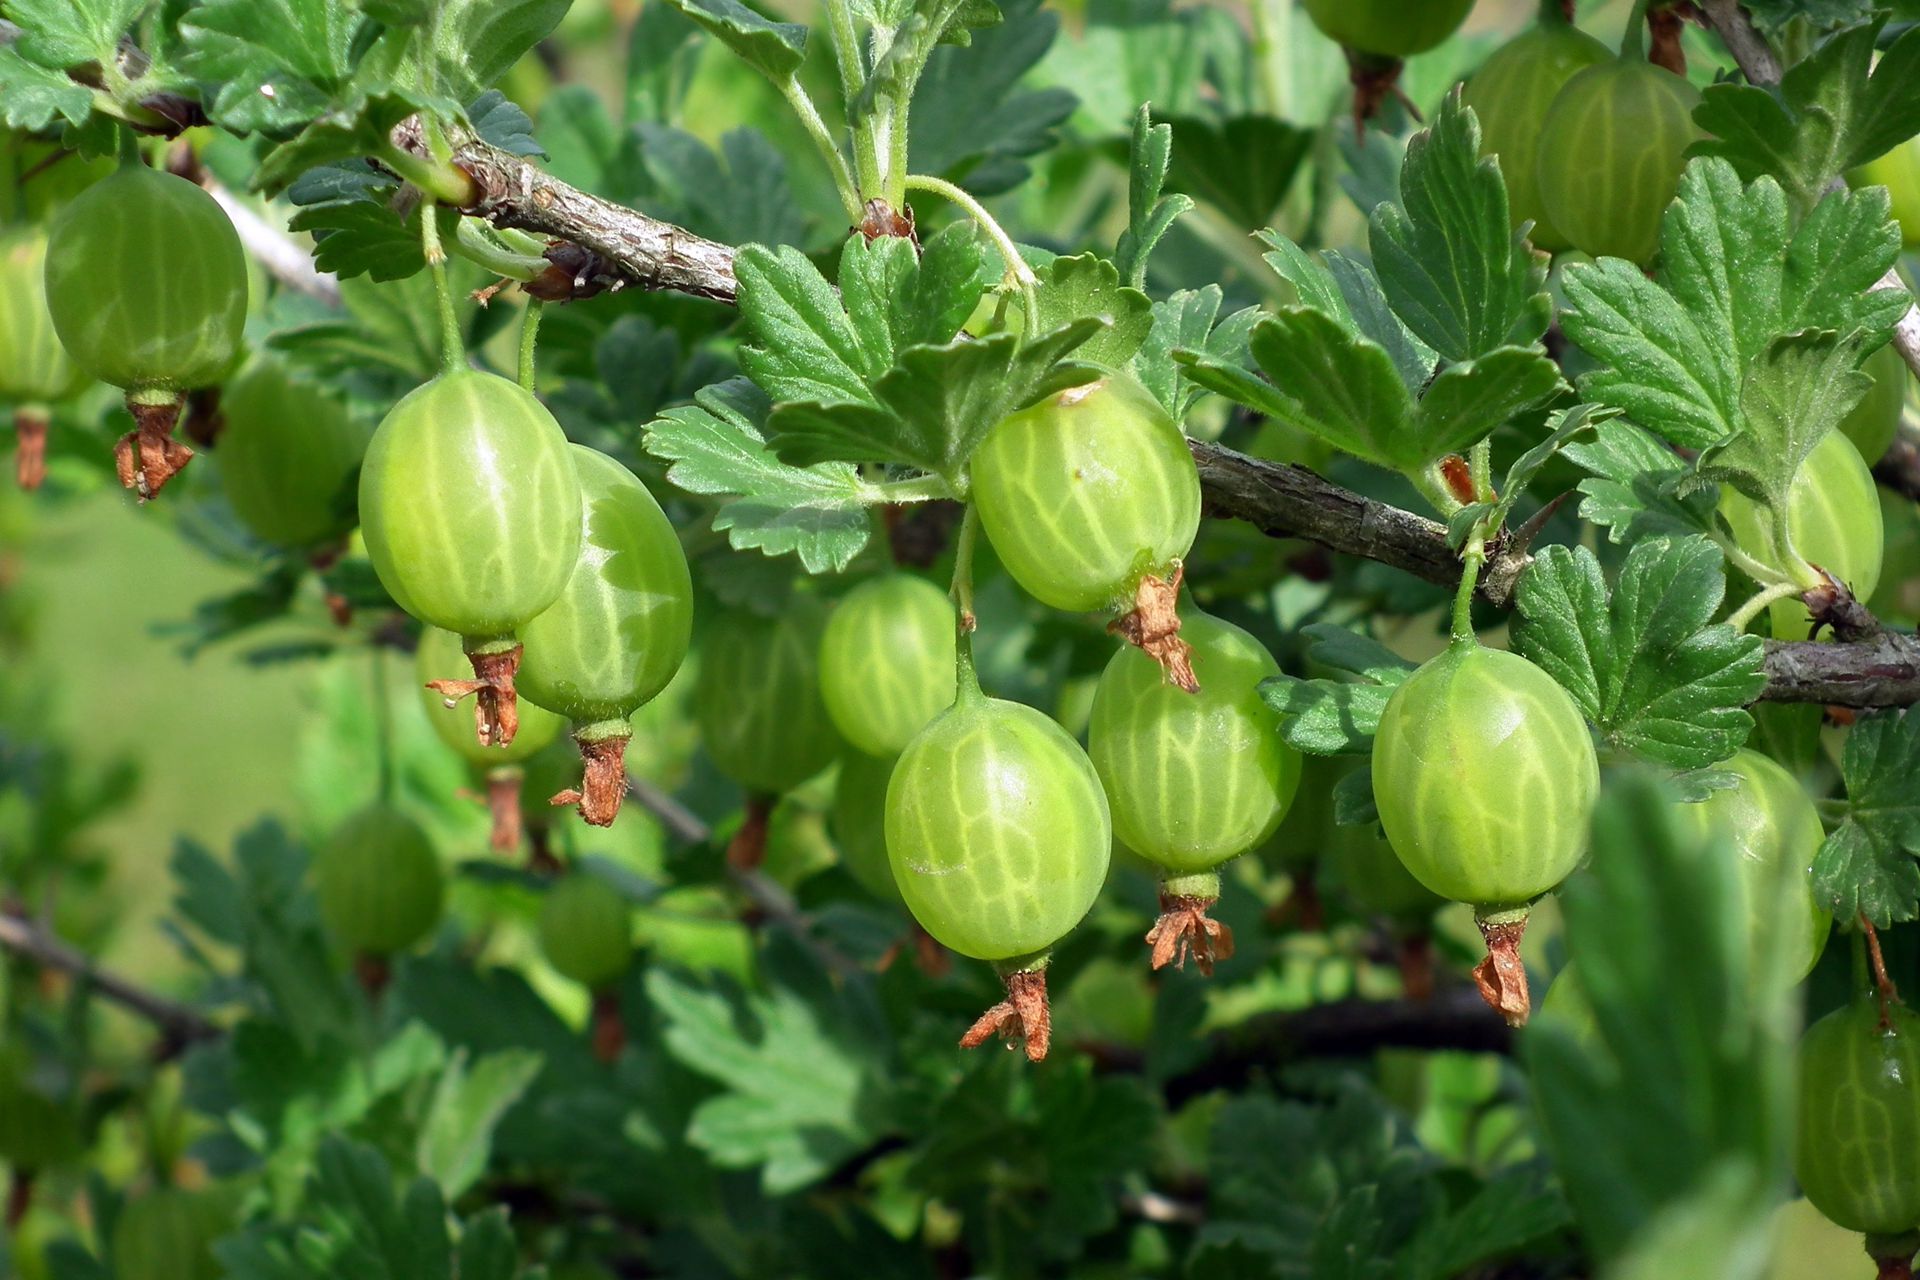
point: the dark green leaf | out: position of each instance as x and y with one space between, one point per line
805 346
1684 1084
973 123
68 33
350 132
1447 256
1796 392
276 64
1645 663
1635 486
1832 112
1867 866
1333 717
1467 402
1243 165
498 120
739 195
774 49
1185 321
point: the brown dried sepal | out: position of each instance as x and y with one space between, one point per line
1415 959
503 807
1893 1254
1665 24
1022 1018
148 456
496 708
1374 79
881 219
1833 605
609 1032
603 781
1185 929
30 457
1153 627
1501 978
748 848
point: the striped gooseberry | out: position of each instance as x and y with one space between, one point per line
1857 1153
378 882
1898 170
758 700
1389 28
1484 774
618 632
586 930
1090 498
1194 779
35 370
470 507
1611 149
1510 94
1774 832
860 822
289 456
886 662
1876 419
147 285
999 837
1833 521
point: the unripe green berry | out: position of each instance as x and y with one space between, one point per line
1858 1152
586 930
379 883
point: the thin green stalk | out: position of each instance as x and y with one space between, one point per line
1760 572
477 244
1473 558
1747 612
846 49
927 488
453 352
1270 53
966 682
382 726
1017 269
529 335
1633 45
823 142
1480 470
128 145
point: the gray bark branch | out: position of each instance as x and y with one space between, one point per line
178 1023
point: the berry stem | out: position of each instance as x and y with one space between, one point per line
30 435
382 724
453 354
529 336
1746 613
1882 984
1633 45
1472 559
1017 270
503 807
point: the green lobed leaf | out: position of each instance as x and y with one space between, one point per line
716 447
1867 866
348 132
1186 321
456 1134
937 403
1448 258
33 96
58 34
1797 391
1644 662
1638 486
774 49
739 194
1833 111
974 122
1735 275
1087 285
805 346
1242 165
1336 717
1684 1083
1467 402
798 1067
1150 215
276 64
1562 427
1323 379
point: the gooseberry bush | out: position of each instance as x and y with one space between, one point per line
1339 577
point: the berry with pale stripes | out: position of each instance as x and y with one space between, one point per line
1771 829
1857 1155
470 506
758 699
1194 779
378 882
1484 774
1833 521
289 456
619 631
886 662
586 930
1610 153
999 837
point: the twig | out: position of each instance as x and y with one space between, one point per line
179 1025
1899 467
283 258
770 901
